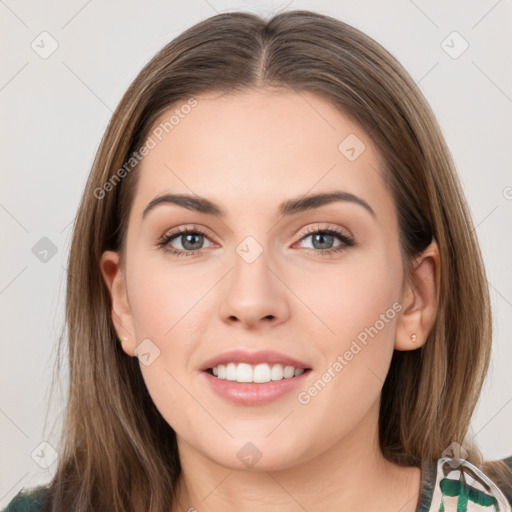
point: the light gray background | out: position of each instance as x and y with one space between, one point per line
55 110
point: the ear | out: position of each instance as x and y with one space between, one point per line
121 312
419 300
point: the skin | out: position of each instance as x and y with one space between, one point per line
248 153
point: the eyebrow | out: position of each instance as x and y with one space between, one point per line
289 207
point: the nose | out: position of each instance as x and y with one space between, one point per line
254 294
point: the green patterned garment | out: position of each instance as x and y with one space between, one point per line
31 501
447 485
451 484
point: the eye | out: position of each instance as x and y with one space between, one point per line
322 239
190 239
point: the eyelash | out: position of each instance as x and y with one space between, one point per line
168 237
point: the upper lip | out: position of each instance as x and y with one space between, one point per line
261 356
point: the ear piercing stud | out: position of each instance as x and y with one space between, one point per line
413 337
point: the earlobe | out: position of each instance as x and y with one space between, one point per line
419 300
121 313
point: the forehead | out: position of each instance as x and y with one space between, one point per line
257 148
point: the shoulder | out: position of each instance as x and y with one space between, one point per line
456 484
33 500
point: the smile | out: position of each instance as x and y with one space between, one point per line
251 392
259 373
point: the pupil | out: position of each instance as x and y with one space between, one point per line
322 236
187 238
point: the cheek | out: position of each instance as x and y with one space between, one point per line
164 304
359 309
348 300
164 297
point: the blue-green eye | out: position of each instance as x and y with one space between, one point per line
324 238
191 240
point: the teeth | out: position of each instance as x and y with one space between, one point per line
244 372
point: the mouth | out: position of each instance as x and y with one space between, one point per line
258 374
245 384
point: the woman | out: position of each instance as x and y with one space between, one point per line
274 231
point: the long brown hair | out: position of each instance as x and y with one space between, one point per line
117 452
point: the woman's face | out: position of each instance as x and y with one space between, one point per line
264 276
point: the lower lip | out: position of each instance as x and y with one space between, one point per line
253 393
